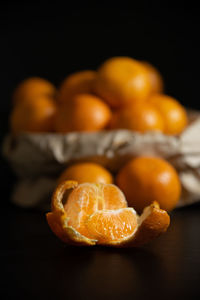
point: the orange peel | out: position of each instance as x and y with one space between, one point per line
58 220
118 226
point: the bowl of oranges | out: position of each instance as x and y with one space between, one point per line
100 123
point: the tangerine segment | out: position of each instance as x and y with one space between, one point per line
58 223
113 197
111 226
87 198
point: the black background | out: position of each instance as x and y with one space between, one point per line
52 40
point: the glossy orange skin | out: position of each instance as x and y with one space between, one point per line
121 81
86 172
33 116
85 113
76 83
33 87
156 80
173 113
139 118
147 179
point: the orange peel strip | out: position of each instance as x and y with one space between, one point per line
153 222
58 220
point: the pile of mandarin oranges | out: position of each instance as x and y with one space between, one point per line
122 94
89 205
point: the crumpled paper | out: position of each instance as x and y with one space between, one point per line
38 159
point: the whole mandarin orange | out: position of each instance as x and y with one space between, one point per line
121 81
86 172
85 113
141 117
33 87
173 113
76 83
33 116
156 80
147 179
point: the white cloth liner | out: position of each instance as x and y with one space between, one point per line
38 159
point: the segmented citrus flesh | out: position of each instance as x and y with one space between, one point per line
98 214
112 225
88 198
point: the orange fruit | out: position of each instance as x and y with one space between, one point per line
147 179
33 87
33 116
141 117
93 198
86 172
173 113
156 80
98 214
110 226
76 83
121 81
85 113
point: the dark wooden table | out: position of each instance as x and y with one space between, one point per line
36 265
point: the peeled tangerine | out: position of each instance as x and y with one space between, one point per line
98 214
